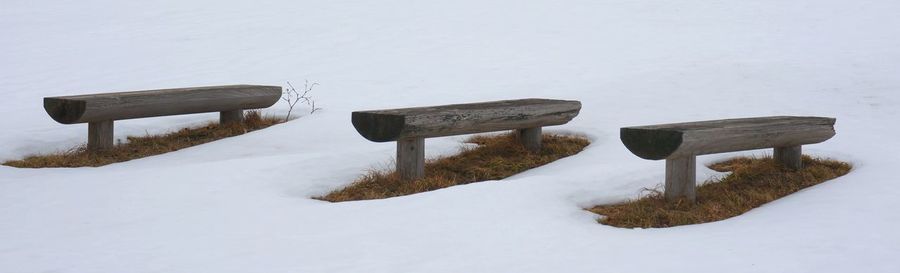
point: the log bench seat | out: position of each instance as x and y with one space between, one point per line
410 126
100 110
680 143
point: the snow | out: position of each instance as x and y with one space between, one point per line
243 204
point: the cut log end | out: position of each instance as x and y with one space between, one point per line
64 111
378 127
650 144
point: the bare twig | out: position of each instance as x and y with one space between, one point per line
292 96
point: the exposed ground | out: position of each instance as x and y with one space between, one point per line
752 182
144 146
496 157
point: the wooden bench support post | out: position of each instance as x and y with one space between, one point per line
411 158
530 138
681 178
790 156
231 116
100 135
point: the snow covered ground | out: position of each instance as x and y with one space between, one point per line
242 204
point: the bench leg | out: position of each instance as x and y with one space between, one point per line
232 116
411 158
100 135
790 156
681 178
530 138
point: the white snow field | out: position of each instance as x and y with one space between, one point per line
243 204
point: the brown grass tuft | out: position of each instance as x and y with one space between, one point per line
752 183
495 157
144 146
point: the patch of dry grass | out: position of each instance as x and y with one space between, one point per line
752 183
144 146
495 157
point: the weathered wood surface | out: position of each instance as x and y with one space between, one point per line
231 116
717 136
100 135
411 158
459 119
530 138
410 126
681 178
164 102
791 156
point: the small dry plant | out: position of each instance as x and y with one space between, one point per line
293 96
144 146
752 183
495 157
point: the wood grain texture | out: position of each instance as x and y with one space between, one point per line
530 138
790 157
681 178
717 136
100 135
459 119
411 158
164 102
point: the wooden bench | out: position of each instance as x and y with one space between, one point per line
410 126
100 110
680 143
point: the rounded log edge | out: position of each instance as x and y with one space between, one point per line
64 111
378 127
651 144
273 94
